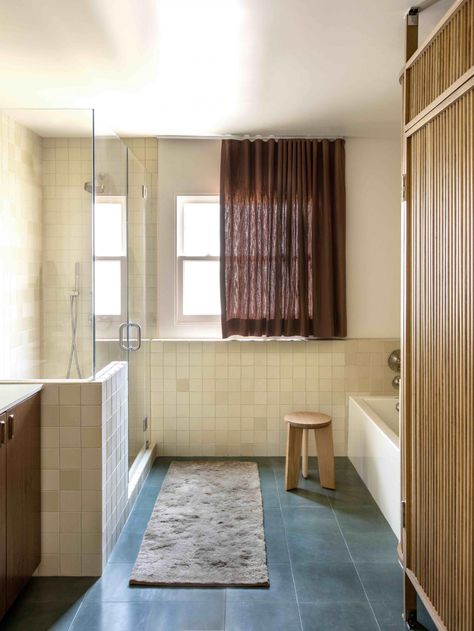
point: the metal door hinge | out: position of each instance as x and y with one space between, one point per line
404 506
404 187
144 191
412 16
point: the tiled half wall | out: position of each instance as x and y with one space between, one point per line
229 397
84 472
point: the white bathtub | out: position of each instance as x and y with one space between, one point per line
374 450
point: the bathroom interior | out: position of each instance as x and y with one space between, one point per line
194 279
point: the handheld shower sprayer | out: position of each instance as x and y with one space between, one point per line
73 310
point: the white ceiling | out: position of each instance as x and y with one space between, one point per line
205 67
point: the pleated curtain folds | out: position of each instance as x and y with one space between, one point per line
283 225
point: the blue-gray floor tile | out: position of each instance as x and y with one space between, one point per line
270 497
114 586
39 616
277 548
326 547
56 589
309 519
424 617
382 581
350 495
127 547
281 588
111 616
147 497
260 617
137 522
389 615
187 616
340 617
267 477
361 519
303 497
372 547
327 583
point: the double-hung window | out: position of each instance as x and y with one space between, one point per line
110 259
198 253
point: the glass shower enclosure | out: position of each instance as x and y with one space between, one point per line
74 207
122 210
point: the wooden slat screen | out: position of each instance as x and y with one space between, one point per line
446 58
439 405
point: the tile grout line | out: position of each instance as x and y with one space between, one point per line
288 550
355 566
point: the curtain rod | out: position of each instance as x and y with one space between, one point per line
251 137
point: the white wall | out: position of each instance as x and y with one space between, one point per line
373 229
429 18
185 167
373 237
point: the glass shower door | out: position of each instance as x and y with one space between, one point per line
138 325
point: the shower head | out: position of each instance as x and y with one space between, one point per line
99 188
99 185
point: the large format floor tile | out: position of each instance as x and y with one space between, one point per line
331 556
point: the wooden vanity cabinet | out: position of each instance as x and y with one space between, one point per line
20 529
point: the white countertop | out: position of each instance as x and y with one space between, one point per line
12 394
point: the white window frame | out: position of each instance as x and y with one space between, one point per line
180 317
122 317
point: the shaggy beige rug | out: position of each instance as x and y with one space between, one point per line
206 528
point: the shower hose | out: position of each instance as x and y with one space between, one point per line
73 354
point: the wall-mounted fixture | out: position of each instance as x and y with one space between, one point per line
394 362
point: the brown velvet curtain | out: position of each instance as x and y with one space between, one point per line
283 268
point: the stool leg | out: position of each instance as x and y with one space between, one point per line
325 448
304 455
293 457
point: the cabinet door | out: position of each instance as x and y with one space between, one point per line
23 494
3 506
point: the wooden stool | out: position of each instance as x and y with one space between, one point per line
299 423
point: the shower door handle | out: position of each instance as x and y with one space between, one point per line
123 346
138 345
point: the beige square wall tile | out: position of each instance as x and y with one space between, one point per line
70 501
70 565
70 415
70 458
70 543
49 415
50 394
49 565
91 415
70 437
91 394
91 564
49 501
70 522
70 479
91 437
70 394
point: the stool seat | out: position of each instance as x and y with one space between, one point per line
308 420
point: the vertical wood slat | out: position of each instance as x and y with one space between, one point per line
439 407
445 59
